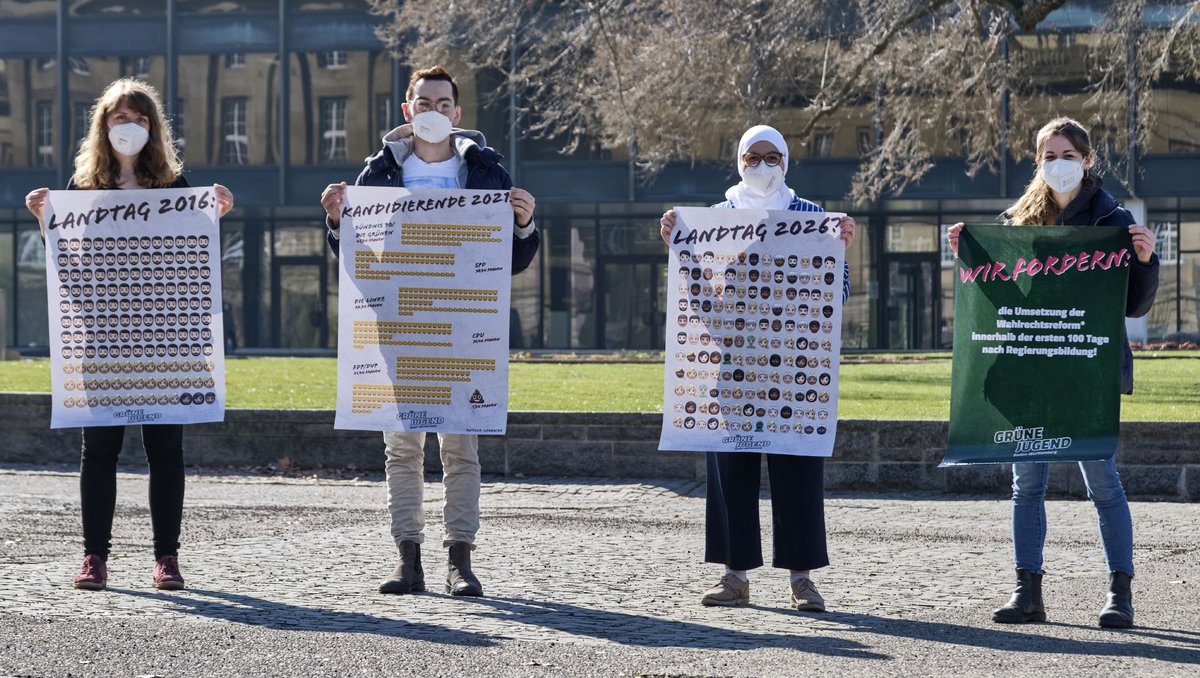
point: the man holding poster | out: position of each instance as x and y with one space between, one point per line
752 363
1040 355
135 276
430 152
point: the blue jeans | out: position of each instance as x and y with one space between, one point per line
1104 489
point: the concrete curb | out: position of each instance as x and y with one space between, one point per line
1157 460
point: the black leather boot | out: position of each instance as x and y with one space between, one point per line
408 576
1026 603
1118 611
460 581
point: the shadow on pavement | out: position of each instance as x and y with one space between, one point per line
1114 643
269 614
643 631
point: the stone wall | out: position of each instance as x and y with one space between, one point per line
1157 460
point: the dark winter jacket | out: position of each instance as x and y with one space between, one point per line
480 170
1095 206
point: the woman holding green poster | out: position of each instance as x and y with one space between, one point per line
797 482
1064 191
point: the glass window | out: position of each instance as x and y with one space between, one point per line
1166 235
6 281
235 60
45 133
5 105
335 118
235 142
335 60
233 283
231 114
911 236
333 130
136 66
31 319
383 115
858 310
822 143
92 8
178 128
569 280
866 140
948 255
80 119
227 6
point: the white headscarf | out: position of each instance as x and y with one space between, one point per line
740 194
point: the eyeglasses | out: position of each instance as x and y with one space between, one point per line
772 159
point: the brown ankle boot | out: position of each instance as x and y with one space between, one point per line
408 576
460 581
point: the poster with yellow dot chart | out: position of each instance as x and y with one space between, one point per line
753 332
133 283
423 310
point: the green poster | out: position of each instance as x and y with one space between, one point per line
1039 317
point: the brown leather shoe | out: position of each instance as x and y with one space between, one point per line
731 591
460 581
408 576
805 596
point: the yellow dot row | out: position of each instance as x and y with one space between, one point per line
387 275
366 257
388 342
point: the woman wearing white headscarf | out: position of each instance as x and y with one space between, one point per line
797 482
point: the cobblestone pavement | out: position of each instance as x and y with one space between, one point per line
582 578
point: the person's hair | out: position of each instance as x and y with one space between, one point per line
1037 206
435 73
157 165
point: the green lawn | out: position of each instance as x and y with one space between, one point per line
873 387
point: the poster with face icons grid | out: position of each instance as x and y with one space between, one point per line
753 332
423 310
133 284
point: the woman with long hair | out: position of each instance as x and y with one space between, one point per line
1065 191
129 145
732 535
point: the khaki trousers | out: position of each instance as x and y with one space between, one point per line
405 468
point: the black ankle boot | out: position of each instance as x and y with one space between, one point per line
460 581
1026 603
408 576
1118 612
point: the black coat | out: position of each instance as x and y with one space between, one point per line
484 172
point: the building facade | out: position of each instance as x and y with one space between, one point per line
277 98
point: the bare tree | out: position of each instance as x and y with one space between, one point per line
668 79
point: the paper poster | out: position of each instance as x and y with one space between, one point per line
423 308
1039 316
753 334
134 291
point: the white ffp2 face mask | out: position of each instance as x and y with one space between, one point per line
128 138
1062 175
431 126
763 179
